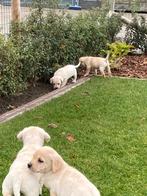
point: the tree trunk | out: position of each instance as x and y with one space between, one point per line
15 10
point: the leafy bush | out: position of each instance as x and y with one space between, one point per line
117 50
10 68
113 27
47 39
61 38
137 33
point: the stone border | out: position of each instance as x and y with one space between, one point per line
47 97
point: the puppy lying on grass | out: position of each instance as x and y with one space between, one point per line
62 75
20 179
95 63
58 176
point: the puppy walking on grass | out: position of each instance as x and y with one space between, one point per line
20 179
58 176
62 75
95 63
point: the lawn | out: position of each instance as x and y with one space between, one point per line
107 117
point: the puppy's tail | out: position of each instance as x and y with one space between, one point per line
108 55
78 65
108 64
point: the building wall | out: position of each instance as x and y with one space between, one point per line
141 5
86 4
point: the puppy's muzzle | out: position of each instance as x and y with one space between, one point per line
29 165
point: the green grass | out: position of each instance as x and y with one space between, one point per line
108 118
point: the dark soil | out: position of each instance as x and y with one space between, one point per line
131 66
12 102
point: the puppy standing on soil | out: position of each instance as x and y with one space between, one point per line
20 179
95 63
62 75
58 176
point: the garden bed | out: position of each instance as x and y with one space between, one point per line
33 92
12 102
132 66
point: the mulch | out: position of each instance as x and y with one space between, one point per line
133 66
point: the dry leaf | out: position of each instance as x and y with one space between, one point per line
70 137
38 117
52 125
86 93
11 107
77 105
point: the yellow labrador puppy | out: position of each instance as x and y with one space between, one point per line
20 179
95 63
62 75
58 176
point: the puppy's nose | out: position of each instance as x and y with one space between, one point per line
29 165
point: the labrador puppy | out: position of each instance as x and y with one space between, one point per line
58 176
95 63
62 75
20 179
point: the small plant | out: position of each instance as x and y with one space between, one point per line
117 51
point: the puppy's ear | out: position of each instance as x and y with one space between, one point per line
51 80
20 135
56 164
47 137
61 79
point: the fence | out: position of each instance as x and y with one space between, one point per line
5 14
26 5
4 18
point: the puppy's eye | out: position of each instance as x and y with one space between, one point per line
40 160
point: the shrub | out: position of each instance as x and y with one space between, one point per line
60 38
113 27
39 43
46 39
29 42
137 33
10 68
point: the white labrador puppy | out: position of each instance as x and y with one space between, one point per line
58 176
20 179
95 63
62 75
